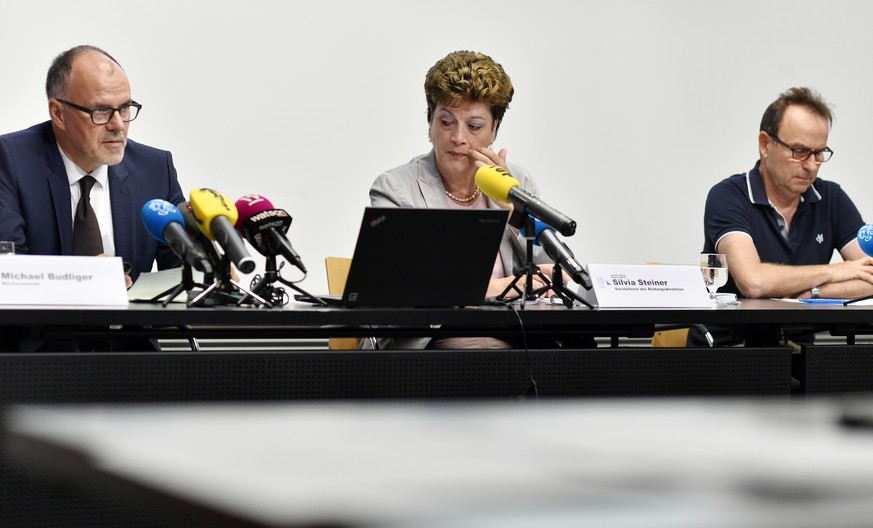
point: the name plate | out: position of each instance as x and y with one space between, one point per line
648 286
62 280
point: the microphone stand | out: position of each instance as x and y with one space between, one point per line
221 290
528 269
565 294
187 284
264 285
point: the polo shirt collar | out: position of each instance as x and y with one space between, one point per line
758 196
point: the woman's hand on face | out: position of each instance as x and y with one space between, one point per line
484 156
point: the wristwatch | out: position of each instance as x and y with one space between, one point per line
815 292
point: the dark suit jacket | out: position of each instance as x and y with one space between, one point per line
35 198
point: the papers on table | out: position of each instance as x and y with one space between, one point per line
150 285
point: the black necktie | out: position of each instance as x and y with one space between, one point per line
86 230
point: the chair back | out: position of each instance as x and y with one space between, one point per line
337 273
670 337
675 338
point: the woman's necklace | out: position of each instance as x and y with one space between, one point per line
470 198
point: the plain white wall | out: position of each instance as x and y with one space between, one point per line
626 112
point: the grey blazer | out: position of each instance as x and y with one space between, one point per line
419 184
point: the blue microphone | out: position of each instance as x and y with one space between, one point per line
865 239
165 224
545 236
539 227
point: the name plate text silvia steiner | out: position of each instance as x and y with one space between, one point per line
62 280
648 286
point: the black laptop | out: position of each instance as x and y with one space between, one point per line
424 257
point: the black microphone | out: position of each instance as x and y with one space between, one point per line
165 223
555 248
563 257
499 185
265 226
197 235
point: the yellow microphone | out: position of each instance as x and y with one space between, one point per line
498 184
215 216
495 182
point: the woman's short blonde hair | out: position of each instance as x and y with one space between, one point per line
468 77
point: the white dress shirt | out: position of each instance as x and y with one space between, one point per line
99 198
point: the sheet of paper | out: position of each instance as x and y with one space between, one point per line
150 285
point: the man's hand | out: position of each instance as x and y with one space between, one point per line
756 279
859 269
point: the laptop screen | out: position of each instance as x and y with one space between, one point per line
424 257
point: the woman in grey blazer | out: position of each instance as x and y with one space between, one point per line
467 95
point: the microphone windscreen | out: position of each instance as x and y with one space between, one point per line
248 206
156 214
865 239
495 182
207 204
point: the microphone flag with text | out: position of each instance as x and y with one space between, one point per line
265 228
555 248
499 185
165 223
215 216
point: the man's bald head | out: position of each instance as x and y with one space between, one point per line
60 72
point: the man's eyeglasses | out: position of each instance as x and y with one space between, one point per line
103 114
801 154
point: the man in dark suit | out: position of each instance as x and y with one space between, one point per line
83 151
90 106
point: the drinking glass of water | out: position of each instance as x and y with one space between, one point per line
715 271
